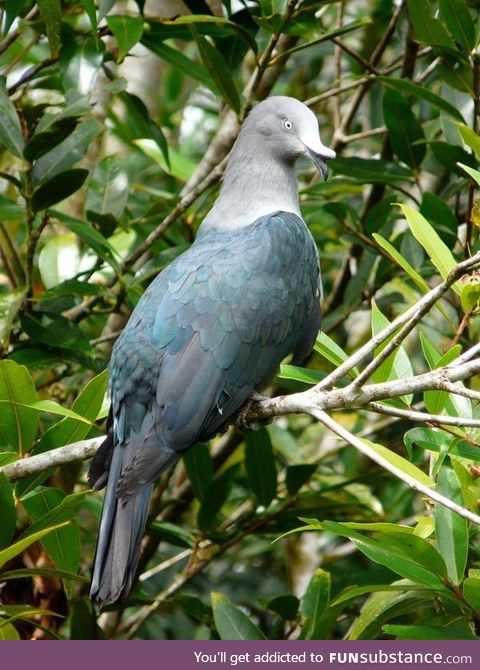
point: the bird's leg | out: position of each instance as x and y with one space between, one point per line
241 419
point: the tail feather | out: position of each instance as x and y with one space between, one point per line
118 548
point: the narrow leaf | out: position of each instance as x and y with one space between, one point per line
127 30
404 129
10 130
407 87
51 13
314 603
58 188
219 71
20 546
459 22
19 423
7 507
260 466
451 529
438 252
232 623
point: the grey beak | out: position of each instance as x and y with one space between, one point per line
320 160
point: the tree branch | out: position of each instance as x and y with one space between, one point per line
416 312
365 449
414 415
77 451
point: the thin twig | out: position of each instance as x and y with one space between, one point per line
77 451
461 390
14 34
422 307
413 415
413 483
31 73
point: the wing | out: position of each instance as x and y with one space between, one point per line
208 331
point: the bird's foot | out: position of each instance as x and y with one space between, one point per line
242 420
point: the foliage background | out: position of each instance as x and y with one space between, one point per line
114 121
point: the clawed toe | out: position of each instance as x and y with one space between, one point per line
241 419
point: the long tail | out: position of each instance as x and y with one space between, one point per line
118 547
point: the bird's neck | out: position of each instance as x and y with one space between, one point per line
253 186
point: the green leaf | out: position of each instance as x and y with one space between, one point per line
407 87
22 544
397 365
314 603
70 429
199 467
436 401
260 466
141 126
459 22
470 296
51 13
179 166
205 24
471 592
108 188
9 517
439 442
91 237
218 69
48 328
80 62
62 545
214 499
470 138
474 174
326 347
439 214
127 30
428 29
91 11
298 475
23 573
49 138
381 607
305 375
356 591
67 153
406 632
7 631
179 61
328 35
438 252
18 427
286 606
409 556
404 129
169 532
10 304
402 262
49 406
371 170
10 130
401 463
451 529
230 622
49 508
450 155
58 188
13 8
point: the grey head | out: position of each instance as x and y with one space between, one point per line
260 176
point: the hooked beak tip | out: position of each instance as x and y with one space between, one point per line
319 159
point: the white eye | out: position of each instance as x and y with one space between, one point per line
287 124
